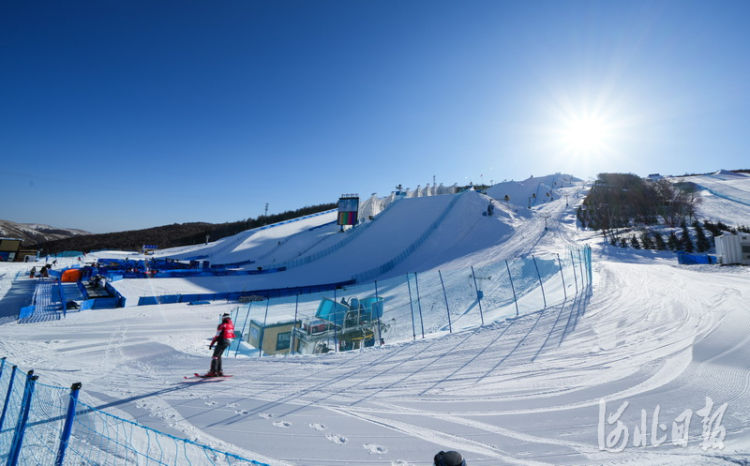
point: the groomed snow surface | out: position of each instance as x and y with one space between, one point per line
549 387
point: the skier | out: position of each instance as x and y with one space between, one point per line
222 339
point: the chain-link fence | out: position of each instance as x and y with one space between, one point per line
410 306
44 424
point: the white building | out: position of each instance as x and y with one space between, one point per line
733 249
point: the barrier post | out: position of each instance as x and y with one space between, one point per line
573 266
419 303
513 288
7 395
335 331
68 427
23 417
479 297
540 281
247 319
447 309
565 292
263 330
380 335
580 264
62 297
294 325
411 307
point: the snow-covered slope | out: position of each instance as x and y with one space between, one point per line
725 197
32 233
547 388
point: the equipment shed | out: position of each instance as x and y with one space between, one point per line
733 248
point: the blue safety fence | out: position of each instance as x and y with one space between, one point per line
414 305
47 424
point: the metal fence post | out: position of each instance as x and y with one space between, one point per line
7 395
380 335
580 264
263 330
573 266
411 307
294 324
544 297
513 288
68 427
23 417
335 332
419 303
447 309
565 292
242 335
479 294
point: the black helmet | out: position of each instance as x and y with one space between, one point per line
449 458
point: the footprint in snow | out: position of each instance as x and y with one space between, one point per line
266 415
284 424
337 439
210 403
375 449
241 411
232 405
401 463
317 426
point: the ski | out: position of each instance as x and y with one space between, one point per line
202 376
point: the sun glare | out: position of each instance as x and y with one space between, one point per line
585 136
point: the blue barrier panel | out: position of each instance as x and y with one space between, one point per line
26 312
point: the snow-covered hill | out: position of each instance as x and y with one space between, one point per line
32 233
651 368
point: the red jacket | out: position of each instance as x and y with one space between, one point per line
224 330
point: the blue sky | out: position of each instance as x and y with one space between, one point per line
124 115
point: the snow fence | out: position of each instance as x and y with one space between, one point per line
46 424
418 304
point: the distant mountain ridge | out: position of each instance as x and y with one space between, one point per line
32 233
167 236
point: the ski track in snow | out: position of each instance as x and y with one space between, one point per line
518 391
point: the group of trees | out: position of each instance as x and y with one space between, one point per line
618 200
167 236
648 239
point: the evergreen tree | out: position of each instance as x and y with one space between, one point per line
712 227
646 240
686 244
634 242
623 242
701 242
659 242
673 243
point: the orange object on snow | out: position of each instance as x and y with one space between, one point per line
71 275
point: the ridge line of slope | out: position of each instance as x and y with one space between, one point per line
354 233
406 252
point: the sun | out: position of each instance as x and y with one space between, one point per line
586 135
